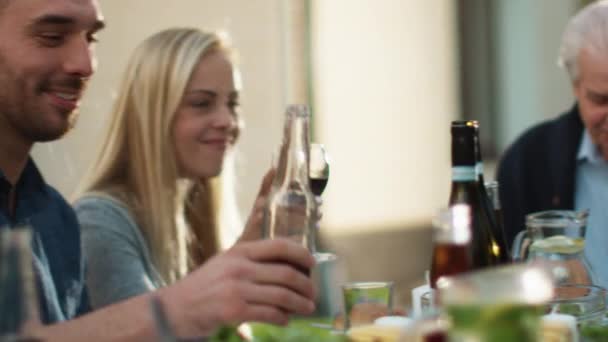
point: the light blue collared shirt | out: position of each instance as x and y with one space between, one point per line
591 193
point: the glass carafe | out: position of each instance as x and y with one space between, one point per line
556 235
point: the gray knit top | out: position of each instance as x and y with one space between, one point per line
118 261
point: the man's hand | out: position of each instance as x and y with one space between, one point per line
252 281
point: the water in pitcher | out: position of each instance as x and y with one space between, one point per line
559 235
558 247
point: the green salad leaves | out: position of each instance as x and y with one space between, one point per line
296 331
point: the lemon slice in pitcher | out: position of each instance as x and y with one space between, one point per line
558 244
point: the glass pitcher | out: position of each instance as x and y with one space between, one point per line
556 235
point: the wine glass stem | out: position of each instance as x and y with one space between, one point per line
316 226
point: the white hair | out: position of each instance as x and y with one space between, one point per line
588 30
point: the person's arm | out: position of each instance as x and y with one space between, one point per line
252 281
130 320
117 259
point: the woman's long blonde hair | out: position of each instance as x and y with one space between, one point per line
180 219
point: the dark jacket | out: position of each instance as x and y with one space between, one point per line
537 172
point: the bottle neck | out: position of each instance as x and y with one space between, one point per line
294 154
478 158
463 146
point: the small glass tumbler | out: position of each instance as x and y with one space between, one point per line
366 301
585 302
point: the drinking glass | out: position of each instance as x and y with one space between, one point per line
318 168
366 301
318 176
585 302
18 297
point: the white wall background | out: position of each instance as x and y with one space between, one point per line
385 90
531 87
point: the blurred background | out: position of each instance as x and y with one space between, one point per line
384 79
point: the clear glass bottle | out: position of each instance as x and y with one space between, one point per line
291 208
465 190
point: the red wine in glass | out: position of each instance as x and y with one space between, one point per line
318 169
317 185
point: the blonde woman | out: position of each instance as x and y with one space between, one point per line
158 202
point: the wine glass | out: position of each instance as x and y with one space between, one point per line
318 175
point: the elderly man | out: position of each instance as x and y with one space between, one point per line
563 163
46 58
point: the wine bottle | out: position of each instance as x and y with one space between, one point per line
451 241
465 190
291 207
499 241
493 191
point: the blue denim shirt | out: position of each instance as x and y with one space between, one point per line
58 261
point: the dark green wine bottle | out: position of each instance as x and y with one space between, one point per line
465 190
501 249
